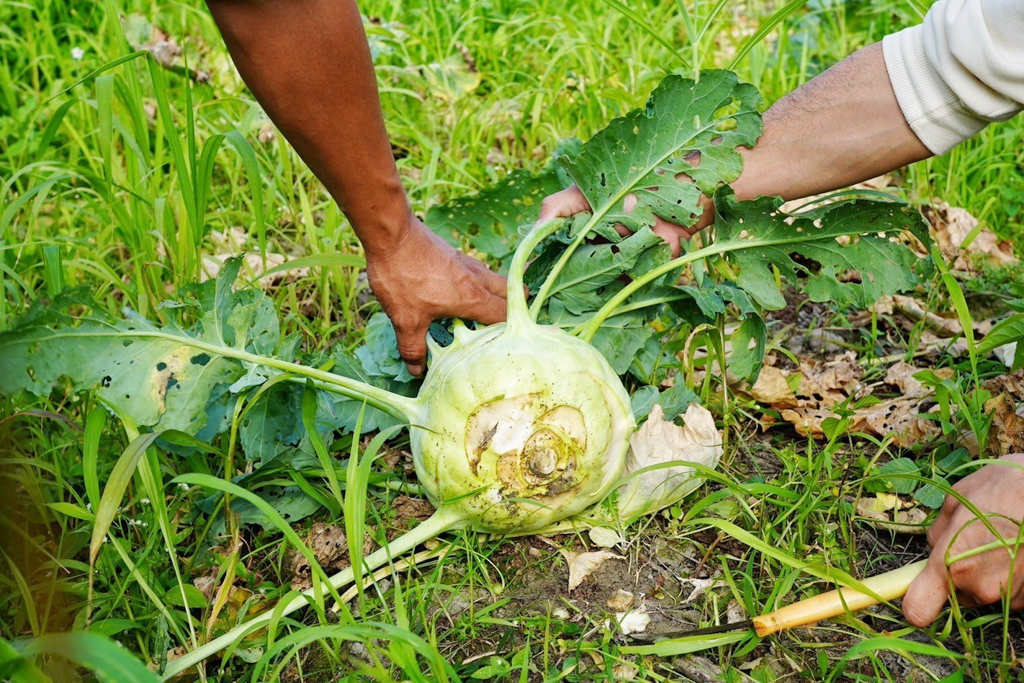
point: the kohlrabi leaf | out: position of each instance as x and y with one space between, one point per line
591 275
174 377
619 338
644 152
749 344
379 354
342 412
489 220
673 401
146 371
272 425
843 253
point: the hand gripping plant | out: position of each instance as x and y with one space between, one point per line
521 425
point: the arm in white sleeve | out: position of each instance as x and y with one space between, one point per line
960 70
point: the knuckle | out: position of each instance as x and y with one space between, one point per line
963 573
410 350
987 592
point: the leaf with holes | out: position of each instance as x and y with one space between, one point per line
162 376
844 253
646 152
489 219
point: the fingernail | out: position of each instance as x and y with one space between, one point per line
415 370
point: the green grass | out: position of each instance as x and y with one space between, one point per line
114 179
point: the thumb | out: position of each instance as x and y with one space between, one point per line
412 346
928 593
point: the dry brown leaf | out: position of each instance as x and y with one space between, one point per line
624 671
824 384
330 548
901 375
1011 383
142 35
1006 435
898 417
831 380
889 511
772 388
582 565
407 508
206 585
951 226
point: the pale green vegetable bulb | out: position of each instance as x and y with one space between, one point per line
520 427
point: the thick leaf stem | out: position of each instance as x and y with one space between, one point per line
549 281
441 521
518 312
398 406
587 332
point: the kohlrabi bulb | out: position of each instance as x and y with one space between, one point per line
519 428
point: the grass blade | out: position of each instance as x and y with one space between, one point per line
100 655
117 483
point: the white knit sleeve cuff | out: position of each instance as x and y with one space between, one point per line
931 109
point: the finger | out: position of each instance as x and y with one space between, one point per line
928 593
487 278
978 579
412 345
671 234
629 203
566 203
486 308
940 526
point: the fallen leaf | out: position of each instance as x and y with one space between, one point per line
143 35
620 601
633 621
253 266
901 375
206 585
772 388
735 613
823 384
330 548
603 537
407 508
700 586
952 226
833 379
1006 435
1006 353
889 511
582 565
1011 383
624 671
660 442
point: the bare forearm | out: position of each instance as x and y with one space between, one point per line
308 64
842 127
